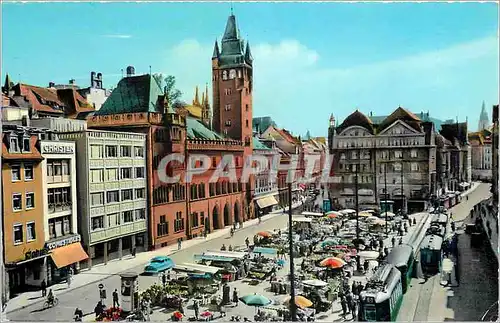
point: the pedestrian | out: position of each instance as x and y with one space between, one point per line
115 299
366 265
44 288
381 243
134 249
247 242
68 280
179 244
401 240
343 303
350 303
353 309
230 248
354 287
386 251
393 240
235 297
223 248
164 279
196 308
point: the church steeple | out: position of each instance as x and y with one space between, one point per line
196 100
8 84
248 54
231 32
216 52
483 118
205 101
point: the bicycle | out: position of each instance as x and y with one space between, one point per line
48 304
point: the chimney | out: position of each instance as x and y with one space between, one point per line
130 71
25 121
52 84
72 81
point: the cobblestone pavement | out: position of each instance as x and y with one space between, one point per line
427 300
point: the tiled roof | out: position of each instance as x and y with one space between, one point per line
400 114
140 93
74 102
196 129
422 116
41 99
356 118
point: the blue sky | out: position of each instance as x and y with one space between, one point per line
310 59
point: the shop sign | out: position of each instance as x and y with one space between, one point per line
57 149
35 253
63 242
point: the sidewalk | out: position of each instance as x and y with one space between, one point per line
116 266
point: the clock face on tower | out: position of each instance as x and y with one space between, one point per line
232 74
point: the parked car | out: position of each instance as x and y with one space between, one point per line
159 264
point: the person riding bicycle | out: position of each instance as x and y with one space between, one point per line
50 297
78 315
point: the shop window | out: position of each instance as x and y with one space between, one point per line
179 222
30 231
18 234
111 152
52 229
28 172
30 200
17 203
16 173
67 225
202 218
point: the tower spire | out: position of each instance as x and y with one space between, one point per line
196 100
216 52
206 95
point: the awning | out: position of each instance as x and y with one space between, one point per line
267 201
68 255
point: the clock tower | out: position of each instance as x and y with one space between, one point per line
232 86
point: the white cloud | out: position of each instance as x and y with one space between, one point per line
289 81
121 36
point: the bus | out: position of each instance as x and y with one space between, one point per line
402 257
431 253
382 296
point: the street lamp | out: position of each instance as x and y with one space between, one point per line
293 306
402 187
357 207
385 197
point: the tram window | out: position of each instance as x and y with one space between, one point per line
370 313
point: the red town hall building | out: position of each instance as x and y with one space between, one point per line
138 104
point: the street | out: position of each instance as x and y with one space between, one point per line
427 300
86 297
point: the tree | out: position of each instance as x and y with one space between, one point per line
173 94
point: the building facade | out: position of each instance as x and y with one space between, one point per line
23 209
60 205
482 154
391 163
266 194
138 104
111 179
495 156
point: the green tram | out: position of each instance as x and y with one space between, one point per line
382 296
431 254
403 258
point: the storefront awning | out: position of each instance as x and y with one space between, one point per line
68 255
267 201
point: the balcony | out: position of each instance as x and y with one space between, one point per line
118 231
59 207
58 179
